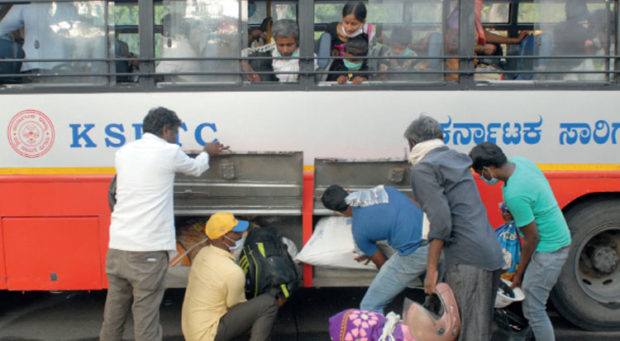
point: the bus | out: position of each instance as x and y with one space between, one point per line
537 77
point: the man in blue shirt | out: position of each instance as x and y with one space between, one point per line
383 213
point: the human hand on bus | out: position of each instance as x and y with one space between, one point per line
430 282
359 80
246 67
341 79
216 148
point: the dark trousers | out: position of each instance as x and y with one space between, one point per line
256 315
474 289
136 283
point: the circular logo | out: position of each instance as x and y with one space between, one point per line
31 133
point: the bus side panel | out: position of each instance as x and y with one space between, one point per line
52 253
54 231
568 186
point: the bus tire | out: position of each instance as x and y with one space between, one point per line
588 290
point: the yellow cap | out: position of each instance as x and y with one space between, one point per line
223 222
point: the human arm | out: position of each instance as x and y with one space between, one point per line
432 263
378 258
521 210
530 242
235 288
198 165
428 191
216 148
359 80
500 39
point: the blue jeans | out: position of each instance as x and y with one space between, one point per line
395 275
540 276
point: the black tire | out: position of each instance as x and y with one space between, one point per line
585 295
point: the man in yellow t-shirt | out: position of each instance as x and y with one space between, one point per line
215 307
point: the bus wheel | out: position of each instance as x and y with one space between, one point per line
588 290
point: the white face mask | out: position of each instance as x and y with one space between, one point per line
238 243
354 34
492 181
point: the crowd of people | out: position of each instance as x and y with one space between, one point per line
349 51
458 246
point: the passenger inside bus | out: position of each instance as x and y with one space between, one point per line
284 52
176 44
336 34
399 46
258 36
574 37
352 68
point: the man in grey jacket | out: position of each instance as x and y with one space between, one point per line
443 184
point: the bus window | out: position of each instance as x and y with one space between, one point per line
68 34
399 33
553 30
578 28
200 41
276 60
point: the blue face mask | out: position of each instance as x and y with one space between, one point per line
352 66
407 52
295 54
238 243
492 181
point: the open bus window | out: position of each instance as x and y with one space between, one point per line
275 57
405 38
556 31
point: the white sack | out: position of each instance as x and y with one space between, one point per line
332 245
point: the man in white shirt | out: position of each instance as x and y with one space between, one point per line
142 227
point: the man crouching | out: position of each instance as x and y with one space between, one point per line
215 307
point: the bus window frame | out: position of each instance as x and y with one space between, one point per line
147 29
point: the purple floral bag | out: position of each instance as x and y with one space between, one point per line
361 325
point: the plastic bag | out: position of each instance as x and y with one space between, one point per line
332 245
357 324
511 248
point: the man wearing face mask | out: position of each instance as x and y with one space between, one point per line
215 307
546 237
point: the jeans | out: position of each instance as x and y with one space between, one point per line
540 276
395 275
136 284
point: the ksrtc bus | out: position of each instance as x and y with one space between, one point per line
537 77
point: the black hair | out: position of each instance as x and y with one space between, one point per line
357 46
401 35
357 8
333 198
487 154
157 118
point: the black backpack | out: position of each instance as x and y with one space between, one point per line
267 264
